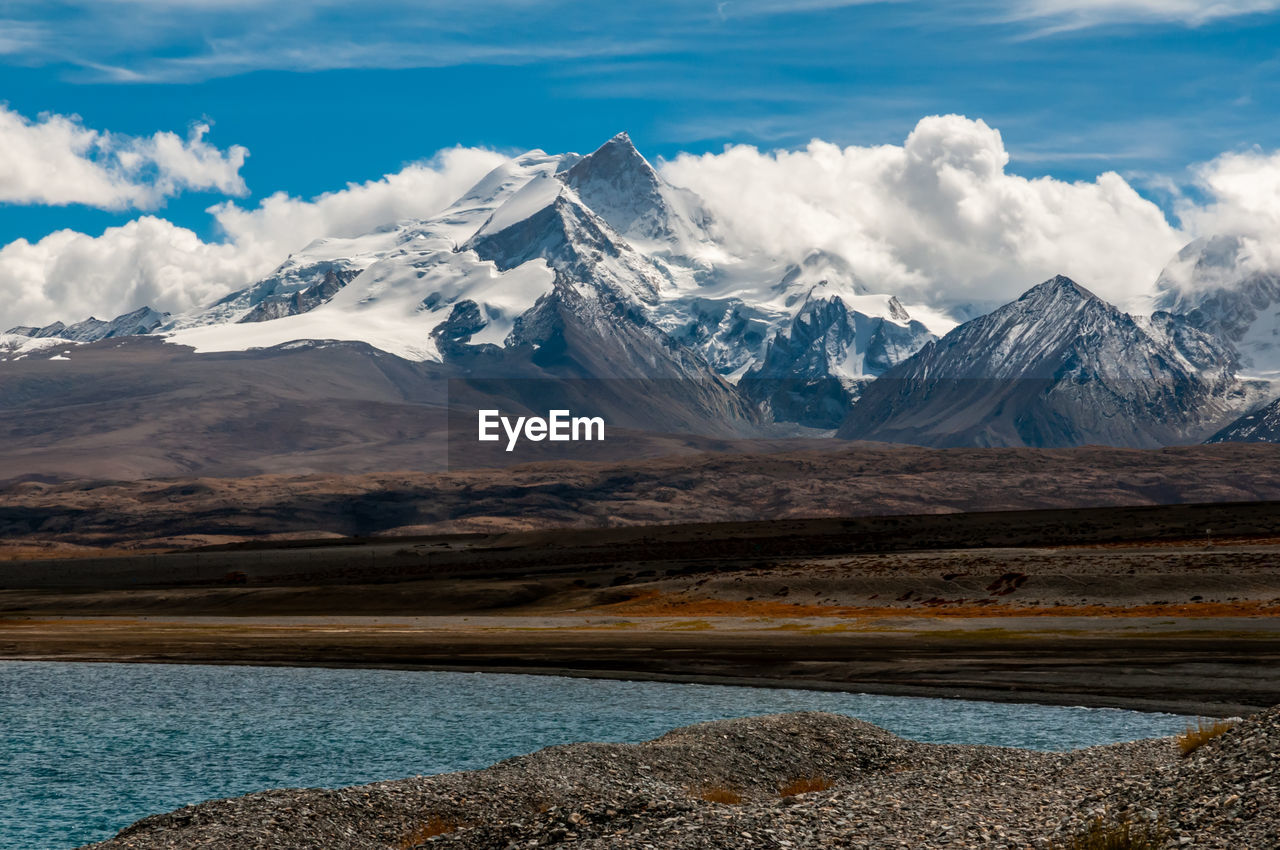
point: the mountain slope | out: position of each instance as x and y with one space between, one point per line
1057 367
139 408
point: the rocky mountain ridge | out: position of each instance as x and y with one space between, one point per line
595 269
1057 367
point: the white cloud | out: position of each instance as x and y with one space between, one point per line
938 217
1244 188
56 160
1079 14
68 275
282 224
1242 192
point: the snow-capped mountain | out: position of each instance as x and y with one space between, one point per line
389 288
1057 367
594 271
1220 288
519 280
597 258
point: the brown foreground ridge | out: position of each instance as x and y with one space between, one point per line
793 780
797 479
1153 607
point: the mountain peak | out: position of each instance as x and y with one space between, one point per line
1057 367
620 141
616 162
1057 288
618 184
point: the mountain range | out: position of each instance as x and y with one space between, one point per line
591 282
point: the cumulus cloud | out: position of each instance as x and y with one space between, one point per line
55 160
283 224
1243 191
937 218
68 275
1234 207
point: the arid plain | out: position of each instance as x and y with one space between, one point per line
1093 598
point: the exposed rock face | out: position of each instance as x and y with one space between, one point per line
622 187
575 241
814 371
141 321
1057 367
301 300
595 325
297 286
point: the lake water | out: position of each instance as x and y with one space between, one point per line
86 749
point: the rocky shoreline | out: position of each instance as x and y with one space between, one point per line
781 781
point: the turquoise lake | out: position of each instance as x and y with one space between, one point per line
86 749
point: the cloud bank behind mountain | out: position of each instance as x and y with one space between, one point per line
938 218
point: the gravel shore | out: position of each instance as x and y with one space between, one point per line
720 785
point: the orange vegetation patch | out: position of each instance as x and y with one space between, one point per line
722 794
1203 732
674 605
805 785
434 825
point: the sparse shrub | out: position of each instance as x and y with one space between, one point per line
722 794
805 785
1104 834
1204 731
433 826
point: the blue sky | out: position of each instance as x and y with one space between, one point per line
341 91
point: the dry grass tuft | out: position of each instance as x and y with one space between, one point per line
434 825
722 794
805 785
1204 731
1103 834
